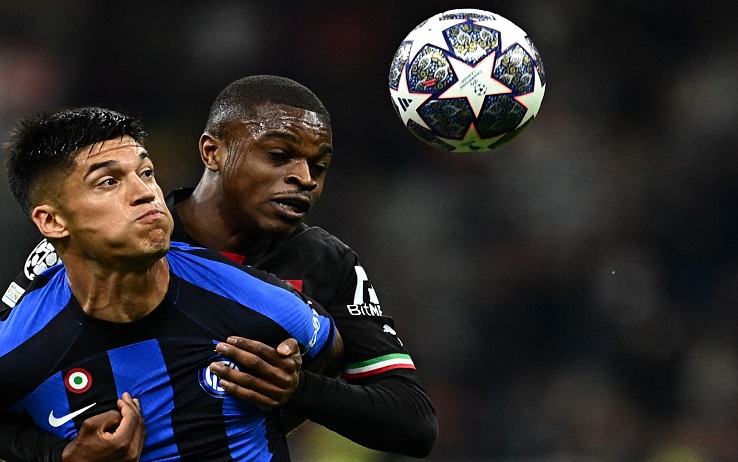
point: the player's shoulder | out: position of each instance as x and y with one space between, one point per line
212 268
46 297
183 257
320 241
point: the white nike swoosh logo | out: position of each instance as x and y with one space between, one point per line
59 421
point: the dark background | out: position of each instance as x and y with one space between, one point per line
568 297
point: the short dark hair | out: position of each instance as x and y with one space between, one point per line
49 141
238 100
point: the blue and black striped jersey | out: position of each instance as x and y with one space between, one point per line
60 366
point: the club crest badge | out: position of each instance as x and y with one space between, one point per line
211 382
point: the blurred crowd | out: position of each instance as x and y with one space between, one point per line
571 296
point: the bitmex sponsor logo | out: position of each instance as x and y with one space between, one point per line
366 309
362 307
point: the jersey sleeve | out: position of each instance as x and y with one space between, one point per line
371 343
41 258
259 291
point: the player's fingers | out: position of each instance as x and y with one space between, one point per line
282 375
265 399
264 393
260 359
289 347
101 422
134 403
131 419
130 435
245 379
236 346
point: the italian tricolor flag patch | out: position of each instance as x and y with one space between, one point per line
378 365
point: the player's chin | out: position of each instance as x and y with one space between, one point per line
158 242
281 226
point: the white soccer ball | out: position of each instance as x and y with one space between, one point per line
467 80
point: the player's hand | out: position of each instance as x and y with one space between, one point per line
111 436
270 376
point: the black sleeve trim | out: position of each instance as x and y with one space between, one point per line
392 414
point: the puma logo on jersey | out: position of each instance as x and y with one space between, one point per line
389 330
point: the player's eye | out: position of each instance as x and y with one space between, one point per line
279 155
109 181
320 167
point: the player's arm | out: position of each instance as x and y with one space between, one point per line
21 441
391 413
271 375
379 403
388 411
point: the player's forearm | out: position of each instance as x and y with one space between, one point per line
391 415
28 443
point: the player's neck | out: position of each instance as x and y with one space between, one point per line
204 222
119 295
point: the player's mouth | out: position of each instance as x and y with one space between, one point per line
151 216
295 207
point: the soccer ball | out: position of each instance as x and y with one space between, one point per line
467 81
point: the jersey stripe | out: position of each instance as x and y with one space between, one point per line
378 365
193 406
101 391
158 404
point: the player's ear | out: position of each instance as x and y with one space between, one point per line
49 221
212 151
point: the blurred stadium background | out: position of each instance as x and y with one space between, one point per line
569 297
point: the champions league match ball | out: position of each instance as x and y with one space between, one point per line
467 81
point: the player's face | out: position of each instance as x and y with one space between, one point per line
112 206
276 167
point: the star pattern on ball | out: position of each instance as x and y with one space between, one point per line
480 77
472 141
430 35
407 102
532 100
507 40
